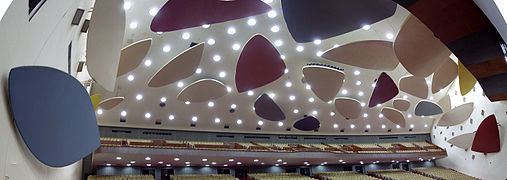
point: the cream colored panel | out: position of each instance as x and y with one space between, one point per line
181 67
348 107
394 116
133 55
203 90
444 75
414 85
324 81
445 103
371 54
463 141
401 104
105 37
457 115
111 103
417 48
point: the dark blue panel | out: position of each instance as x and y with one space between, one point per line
308 123
266 108
54 114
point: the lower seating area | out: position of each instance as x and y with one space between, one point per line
279 176
342 175
204 177
121 177
397 174
442 173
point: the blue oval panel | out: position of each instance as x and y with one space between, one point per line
54 114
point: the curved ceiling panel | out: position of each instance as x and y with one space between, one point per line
305 19
457 115
105 38
95 100
418 50
401 104
385 89
181 67
62 102
203 90
182 14
394 116
348 107
308 123
427 108
444 75
463 141
259 64
133 55
371 54
466 79
325 82
487 138
266 108
110 103
414 85
445 103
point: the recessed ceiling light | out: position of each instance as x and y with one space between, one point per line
205 160
383 126
282 56
250 93
272 14
295 111
171 117
275 28
180 84
368 126
100 111
336 45
255 160
159 32
129 164
233 106
360 93
365 115
260 123
411 125
398 126
185 35
280 123
366 27
358 83
373 85
230 160
147 115
213 163
286 71
176 159
405 96
251 22
308 87
118 158
147 158
161 162
311 99
335 125
389 36
198 70
319 53
356 72
267 1
317 41
409 115
314 112
380 115
236 46
238 162
272 95
211 41
226 165
139 96
352 126
431 97
187 162
299 48
425 125
205 26
130 77
239 121
278 43
127 5
222 74
168 165
166 48
331 113
163 99
194 118
288 84
108 164
133 25
187 102
344 91
231 30
217 120
363 104
229 89
148 165
123 113
188 165
211 104
153 11
330 102
147 62
292 97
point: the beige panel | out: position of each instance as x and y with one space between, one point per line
401 104
324 81
445 103
457 115
105 38
371 54
348 107
444 75
111 102
463 141
181 67
203 90
394 116
414 85
133 55
418 50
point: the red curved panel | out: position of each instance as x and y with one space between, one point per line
385 89
487 138
181 14
259 64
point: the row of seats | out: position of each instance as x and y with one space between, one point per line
442 173
120 177
279 176
343 175
397 174
204 177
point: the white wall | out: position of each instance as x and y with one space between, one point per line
490 166
42 41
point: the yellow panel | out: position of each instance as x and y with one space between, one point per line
95 100
466 79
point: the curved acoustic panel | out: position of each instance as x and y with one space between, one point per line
385 89
95 100
444 75
463 141
53 114
427 108
414 85
445 103
111 103
348 107
457 115
105 38
394 116
181 67
259 64
174 15
132 55
401 104
466 79
487 138
266 108
203 90
371 54
307 20
418 50
308 123
325 82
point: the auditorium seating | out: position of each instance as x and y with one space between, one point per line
120 177
342 175
397 174
279 176
442 173
204 177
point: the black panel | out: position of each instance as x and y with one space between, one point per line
496 84
405 3
34 6
477 47
77 17
85 26
322 19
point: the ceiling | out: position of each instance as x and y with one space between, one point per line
138 19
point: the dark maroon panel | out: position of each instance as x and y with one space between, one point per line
266 108
385 89
487 138
259 64
181 14
308 123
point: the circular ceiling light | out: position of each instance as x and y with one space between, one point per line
317 41
231 30
217 58
275 28
139 97
180 84
153 11
319 53
185 35
211 104
311 99
99 111
217 120
166 48
163 99
222 74
205 26
251 22
236 46
233 106
335 125
295 111
198 70
147 115
358 83
383 126
331 113
133 25
130 77
239 121
389 36
356 72
360 93
211 41
278 43
250 93
260 123
299 48
127 5
123 113
352 126
288 84
366 27
194 118
147 63
272 14
292 97
171 117
280 124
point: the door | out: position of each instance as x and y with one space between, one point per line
166 174
304 171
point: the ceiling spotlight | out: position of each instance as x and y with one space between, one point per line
229 89
211 41
163 99
217 58
411 125
147 115
148 165
360 93
187 102
231 30
286 71
380 115
147 158
161 162
389 36
236 47
139 97
108 164
123 113
352 126
211 104
311 99
255 160
213 163
233 106
205 26
373 85
272 95
409 115
100 111
300 48
431 97
330 102
204 160
239 121
187 162
398 126
282 56
425 125
267 1
185 35
159 32
335 125
194 118
133 25
251 22
405 96
288 84
275 28
221 74
308 87
250 93
280 123
336 45
130 77
344 91
147 63
238 162
358 83
166 48
153 11
317 41
176 159
278 43
368 126
383 126
378 105
198 70
319 53
314 112
331 113
129 164
295 111
356 72
272 14
366 27
363 104
127 5
171 117
292 97
168 165
365 115
260 123
217 120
